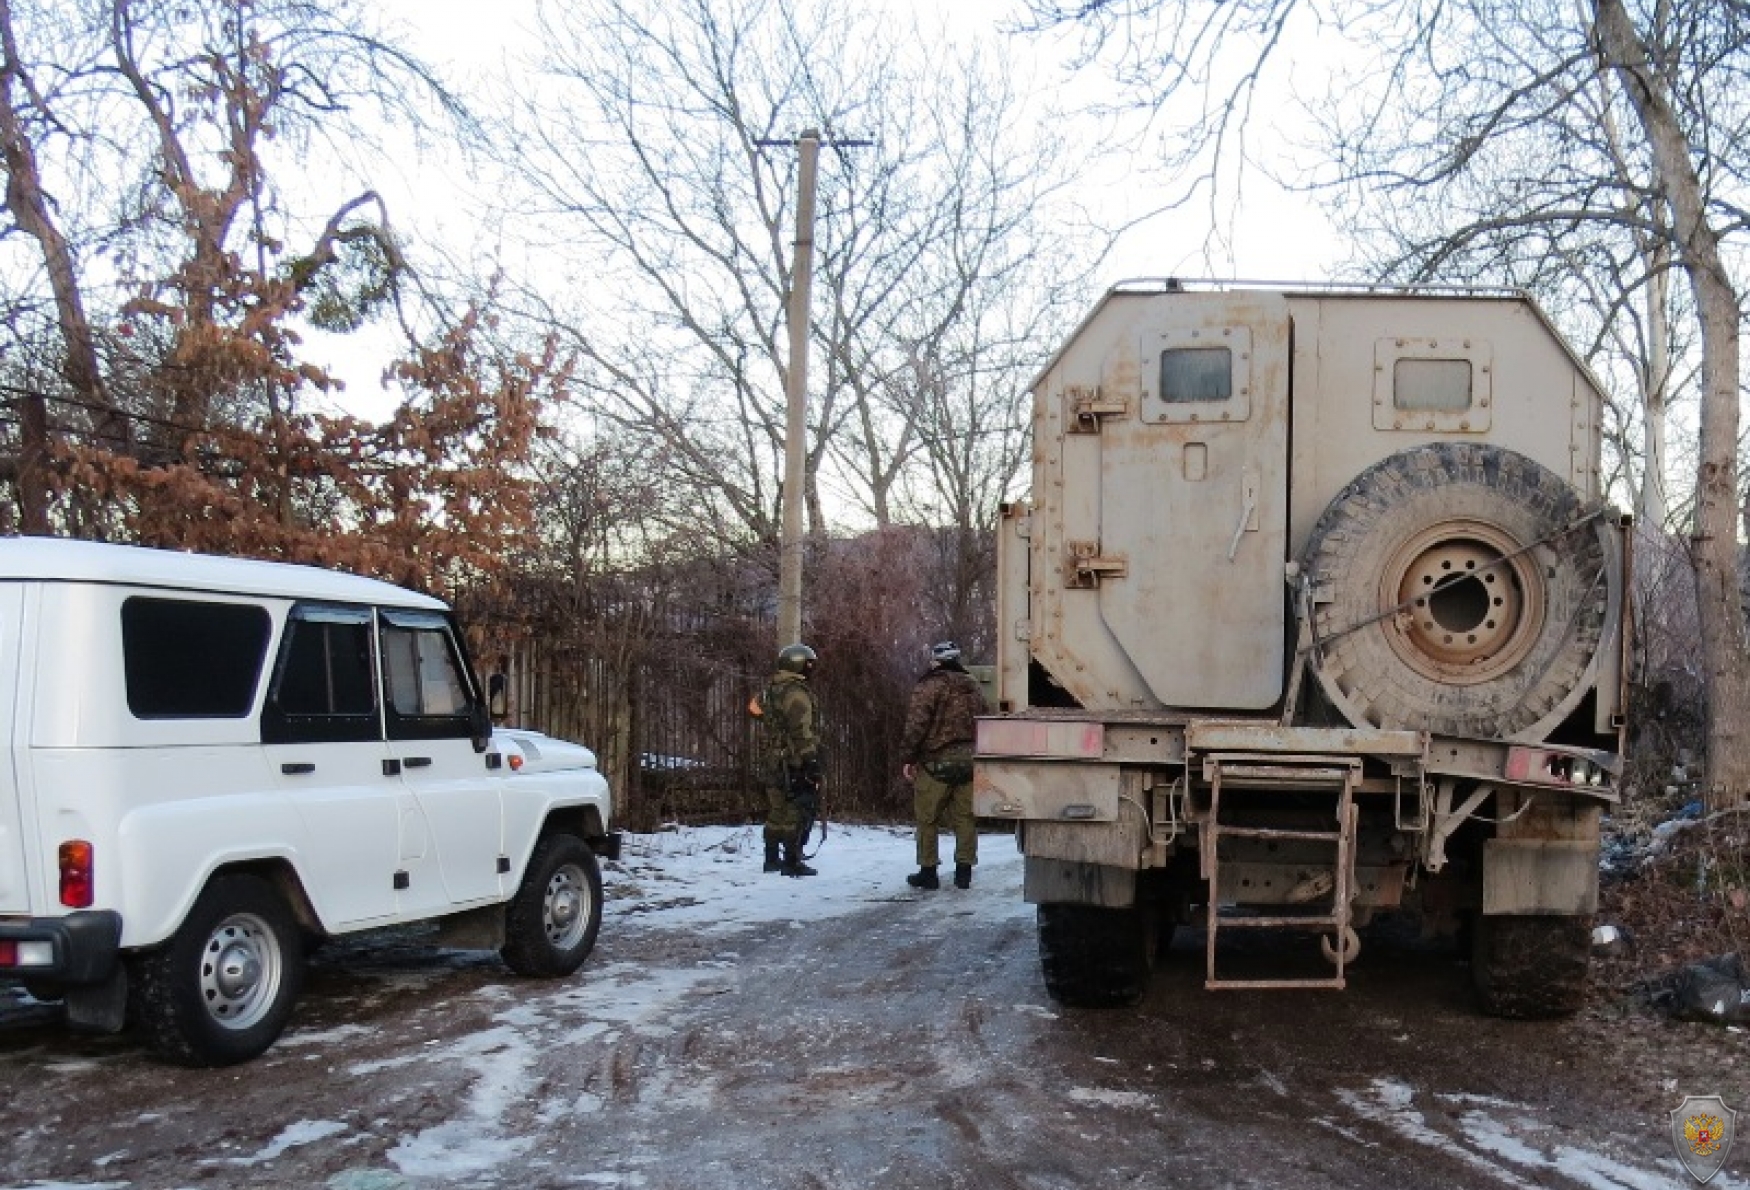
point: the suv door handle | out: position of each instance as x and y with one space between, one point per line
416 762
291 768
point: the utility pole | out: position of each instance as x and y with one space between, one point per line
796 395
796 427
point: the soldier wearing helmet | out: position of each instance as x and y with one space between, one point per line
790 755
940 723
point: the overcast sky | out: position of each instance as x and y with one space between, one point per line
1271 235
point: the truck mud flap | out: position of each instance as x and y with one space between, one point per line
1053 881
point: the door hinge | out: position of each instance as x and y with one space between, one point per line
1087 567
1087 406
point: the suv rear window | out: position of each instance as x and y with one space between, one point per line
191 659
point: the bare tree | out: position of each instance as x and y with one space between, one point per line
939 269
192 181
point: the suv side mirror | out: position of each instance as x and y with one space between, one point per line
479 725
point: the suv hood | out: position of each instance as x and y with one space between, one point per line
540 753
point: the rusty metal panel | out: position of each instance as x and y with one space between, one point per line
1219 735
1052 881
1066 739
1244 883
1122 843
1045 790
1540 876
1339 386
1014 626
1193 496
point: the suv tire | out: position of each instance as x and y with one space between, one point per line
221 990
550 925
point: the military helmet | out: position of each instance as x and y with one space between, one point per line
796 659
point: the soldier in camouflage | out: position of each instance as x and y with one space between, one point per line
790 758
937 750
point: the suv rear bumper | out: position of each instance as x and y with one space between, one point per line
82 946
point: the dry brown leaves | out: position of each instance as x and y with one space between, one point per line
1687 898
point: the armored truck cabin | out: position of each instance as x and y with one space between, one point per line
1316 611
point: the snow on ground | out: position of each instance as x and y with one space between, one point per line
707 883
711 878
701 881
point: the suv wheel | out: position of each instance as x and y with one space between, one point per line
221 990
550 925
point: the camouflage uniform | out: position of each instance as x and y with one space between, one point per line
789 740
939 729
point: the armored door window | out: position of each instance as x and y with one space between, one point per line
1434 385
427 690
1192 374
1196 374
1440 385
323 686
192 659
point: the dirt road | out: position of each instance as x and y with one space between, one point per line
901 1040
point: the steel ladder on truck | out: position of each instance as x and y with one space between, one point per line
1253 781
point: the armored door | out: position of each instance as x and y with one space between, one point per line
1193 499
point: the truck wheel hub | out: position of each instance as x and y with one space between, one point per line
1463 603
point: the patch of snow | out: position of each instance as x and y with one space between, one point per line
294 1038
1105 1097
473 1142
1513 1136
1392 1104
300 1132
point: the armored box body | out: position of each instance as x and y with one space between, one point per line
1187 445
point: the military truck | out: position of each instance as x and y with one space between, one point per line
1316 612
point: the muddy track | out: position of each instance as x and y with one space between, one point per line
906 1043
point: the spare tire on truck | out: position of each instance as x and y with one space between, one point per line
1461 589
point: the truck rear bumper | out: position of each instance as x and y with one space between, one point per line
79 948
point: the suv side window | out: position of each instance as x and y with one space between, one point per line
192 659
427 690
323 685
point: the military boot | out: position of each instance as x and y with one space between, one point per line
962 875
773 863
924 877
792 863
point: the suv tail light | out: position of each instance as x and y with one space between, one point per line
78 882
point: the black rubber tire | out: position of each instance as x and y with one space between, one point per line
550 926
1531 967
1094 957
1522 578
221 990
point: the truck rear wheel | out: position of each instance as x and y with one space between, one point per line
1094 957
1461 589
1531 967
